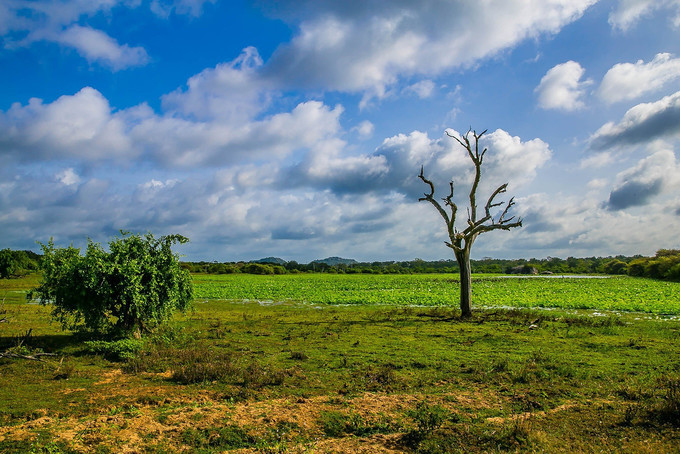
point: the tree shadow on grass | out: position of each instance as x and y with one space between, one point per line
48 343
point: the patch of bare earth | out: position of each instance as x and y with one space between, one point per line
129 427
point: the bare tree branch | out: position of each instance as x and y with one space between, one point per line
461 242
450 221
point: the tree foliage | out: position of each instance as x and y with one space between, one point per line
7 264
17 263
138 284
664 265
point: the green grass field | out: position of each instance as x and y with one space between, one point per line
616 293
333 363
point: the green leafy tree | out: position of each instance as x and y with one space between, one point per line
8 264
135 286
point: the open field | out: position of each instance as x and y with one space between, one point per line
616 293
327 370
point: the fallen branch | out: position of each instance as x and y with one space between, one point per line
34 357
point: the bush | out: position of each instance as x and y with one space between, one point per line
132 288
119 350
257 268
615 267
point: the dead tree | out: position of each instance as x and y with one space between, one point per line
477 223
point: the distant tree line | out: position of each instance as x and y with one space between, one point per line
17 263
665 265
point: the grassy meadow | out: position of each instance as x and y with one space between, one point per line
356 363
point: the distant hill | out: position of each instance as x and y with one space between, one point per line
332 261
272 260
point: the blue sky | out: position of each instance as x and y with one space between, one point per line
297 128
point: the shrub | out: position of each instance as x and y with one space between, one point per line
120 350
135 286
202 365
615 267
428 417
637 267
257 268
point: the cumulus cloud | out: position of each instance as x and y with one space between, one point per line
73 126
626 81
583 226
628 12
642 123
85 127
562 88
393 167
233 92
368 46
649 178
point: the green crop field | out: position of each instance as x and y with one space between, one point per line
321 363
616 293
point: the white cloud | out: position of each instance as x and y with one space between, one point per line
84 126
642 123
511 160
362 47
651 177
626 81
24 22
364 129
423 89
164 8
629 12
68 177
562 88
584 227
177 142
233 92
73 126
97 46
597 160
597 183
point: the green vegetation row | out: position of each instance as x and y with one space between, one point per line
619 293
553 265
664 265
17 263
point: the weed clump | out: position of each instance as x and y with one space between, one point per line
337 424
666 409
228 437
195 369
118 350
380 378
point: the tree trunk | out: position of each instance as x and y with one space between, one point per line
463 259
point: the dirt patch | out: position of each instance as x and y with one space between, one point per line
376 444
149 416
110 377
